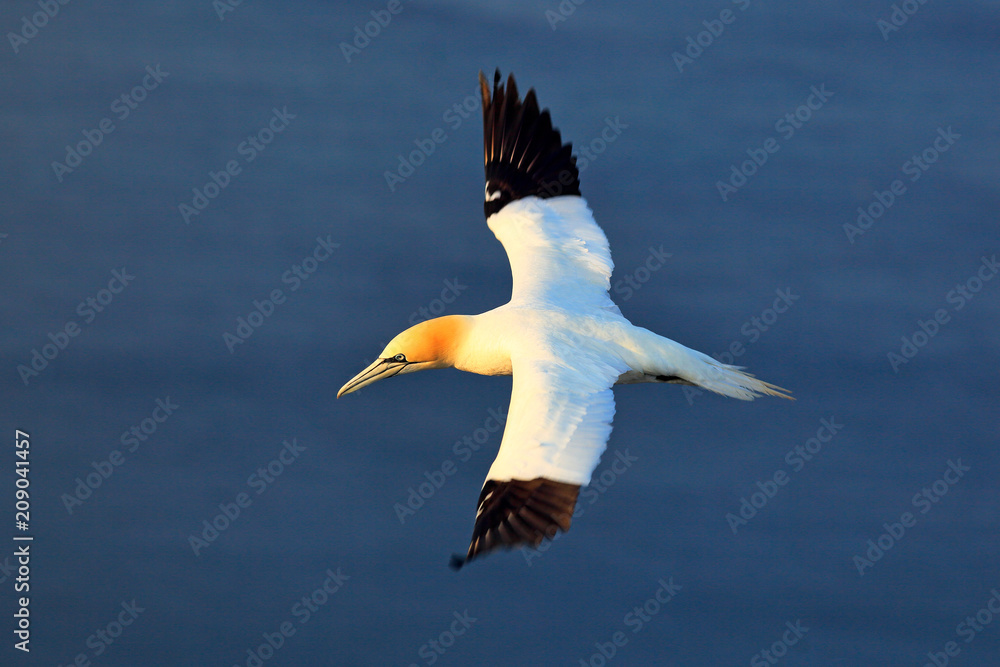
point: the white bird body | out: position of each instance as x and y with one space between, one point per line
562 328
494 337
561 336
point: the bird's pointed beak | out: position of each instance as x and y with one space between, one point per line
379 369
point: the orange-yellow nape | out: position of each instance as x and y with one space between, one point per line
433 342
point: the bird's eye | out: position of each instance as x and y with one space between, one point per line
400 357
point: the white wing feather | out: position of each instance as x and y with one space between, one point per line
562 404
558 255
560 415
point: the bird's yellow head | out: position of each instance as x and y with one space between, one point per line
430 344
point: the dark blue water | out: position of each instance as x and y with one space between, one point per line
652 571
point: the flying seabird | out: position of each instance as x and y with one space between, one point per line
561 336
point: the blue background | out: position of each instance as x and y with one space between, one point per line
655 185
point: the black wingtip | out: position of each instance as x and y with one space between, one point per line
524 154
516 512
456 562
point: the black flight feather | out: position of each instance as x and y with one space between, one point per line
517 512
523 153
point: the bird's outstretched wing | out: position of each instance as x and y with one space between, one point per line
558 255
561 405
557 428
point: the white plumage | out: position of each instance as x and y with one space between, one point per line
561 336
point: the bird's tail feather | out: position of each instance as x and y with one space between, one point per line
669 361
733 381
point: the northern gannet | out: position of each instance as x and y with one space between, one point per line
561 336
